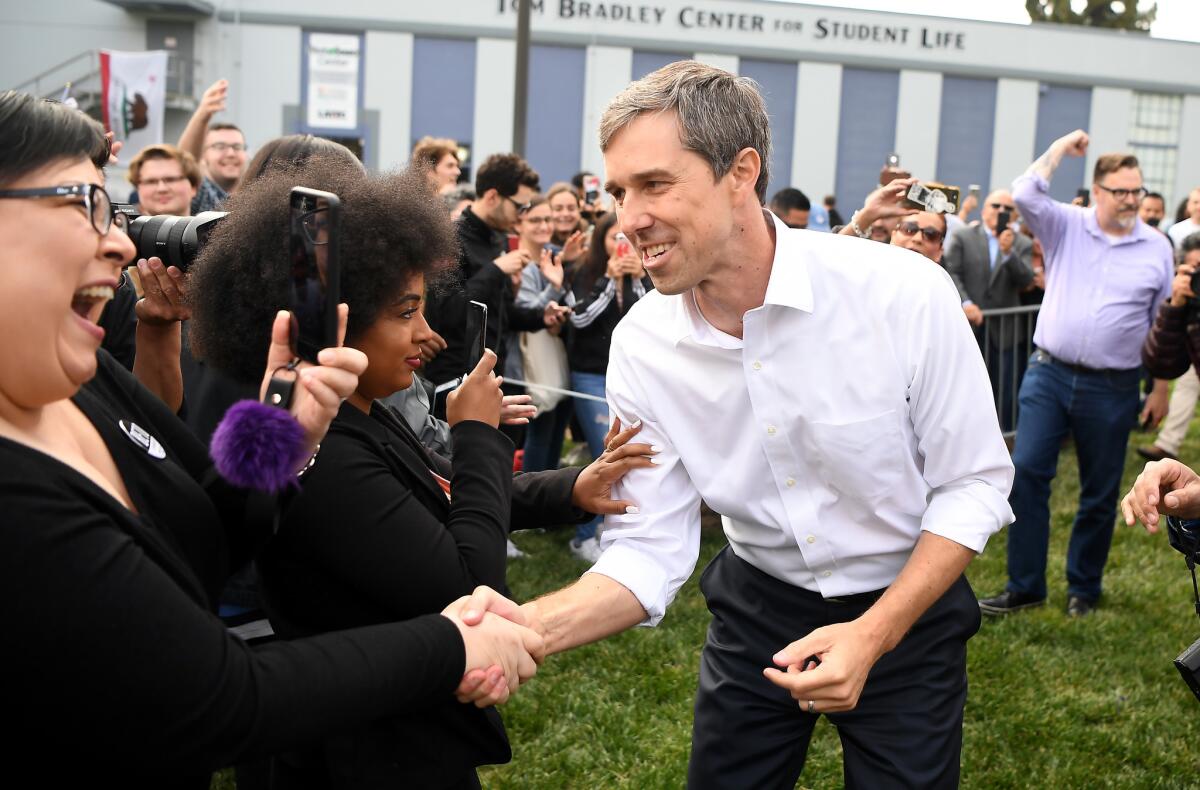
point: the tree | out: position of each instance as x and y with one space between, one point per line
1093 13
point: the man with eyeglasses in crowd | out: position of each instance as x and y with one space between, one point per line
166 179
504 186
220 148
1107 272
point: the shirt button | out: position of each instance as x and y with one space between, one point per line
813 539
790 482
827 574
770 430
757 365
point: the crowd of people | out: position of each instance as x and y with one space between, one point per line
662 331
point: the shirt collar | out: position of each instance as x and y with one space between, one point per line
1140 229
789 285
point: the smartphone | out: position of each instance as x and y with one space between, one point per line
622 244
315 283
893 160
1085 195
514 242
1002 221
591 189
974 190
476 335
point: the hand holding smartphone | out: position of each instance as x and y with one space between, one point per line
476 334
315 282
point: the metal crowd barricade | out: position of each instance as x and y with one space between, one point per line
1003 329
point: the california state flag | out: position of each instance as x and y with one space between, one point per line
133 91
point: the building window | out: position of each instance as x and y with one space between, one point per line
1154 138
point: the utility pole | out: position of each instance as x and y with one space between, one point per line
521 89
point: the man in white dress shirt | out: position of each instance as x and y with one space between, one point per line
823 393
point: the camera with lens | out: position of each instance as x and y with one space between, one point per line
1184 537
176 240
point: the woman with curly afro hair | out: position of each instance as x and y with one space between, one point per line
383 529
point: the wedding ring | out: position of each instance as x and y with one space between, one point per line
811 704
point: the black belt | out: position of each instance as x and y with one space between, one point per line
1046 356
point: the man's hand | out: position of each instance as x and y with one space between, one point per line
968 205
974 314
1073 144
1166 487
435 345
1156 405
593 487
1181 286
163 303
846 651
513 262
213 100
1005 240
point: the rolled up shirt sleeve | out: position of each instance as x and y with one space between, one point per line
966 463
1045 216
653 552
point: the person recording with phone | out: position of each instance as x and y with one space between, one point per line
383 529
119 533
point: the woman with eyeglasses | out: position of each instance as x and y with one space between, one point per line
384 529
117 533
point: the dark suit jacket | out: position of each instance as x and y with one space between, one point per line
372 538
968 262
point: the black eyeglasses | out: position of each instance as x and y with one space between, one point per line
96 202
1122 194
911 229
521 207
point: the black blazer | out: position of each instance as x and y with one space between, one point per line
373 538
116 667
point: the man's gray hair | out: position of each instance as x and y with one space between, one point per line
719 114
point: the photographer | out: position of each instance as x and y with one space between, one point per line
881 211
119 533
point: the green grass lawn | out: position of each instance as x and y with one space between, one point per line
1053 702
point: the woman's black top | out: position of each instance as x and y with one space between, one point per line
115 669
373 537
597 310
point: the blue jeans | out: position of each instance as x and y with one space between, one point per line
544 437
1099 409
594 418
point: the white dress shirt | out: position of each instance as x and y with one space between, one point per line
854 413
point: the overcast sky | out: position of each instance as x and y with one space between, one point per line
1178 19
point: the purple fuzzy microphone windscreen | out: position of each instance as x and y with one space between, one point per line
259 447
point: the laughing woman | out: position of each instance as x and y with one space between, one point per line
384 529
116 534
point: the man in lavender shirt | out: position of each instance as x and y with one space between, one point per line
1107 272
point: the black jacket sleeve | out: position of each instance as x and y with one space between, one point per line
362 524
1168 350
543 499
118 662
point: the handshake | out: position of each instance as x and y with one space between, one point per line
503 643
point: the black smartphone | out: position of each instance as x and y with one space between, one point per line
1085 195
476 335
315 282
1002 221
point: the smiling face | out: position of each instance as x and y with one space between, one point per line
564 207
915 232
56 274
393 343
534 227
164 189
678 216
224 156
